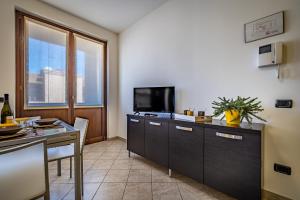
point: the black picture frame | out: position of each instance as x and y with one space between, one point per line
276 19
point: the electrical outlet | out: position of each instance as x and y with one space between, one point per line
282 169
284 103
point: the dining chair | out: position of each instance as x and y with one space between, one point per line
24 172
67 151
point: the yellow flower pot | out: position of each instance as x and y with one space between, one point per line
232 117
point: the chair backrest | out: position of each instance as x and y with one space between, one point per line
82 125
24 171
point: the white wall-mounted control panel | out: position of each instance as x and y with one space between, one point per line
270 54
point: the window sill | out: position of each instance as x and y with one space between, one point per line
46 108
78 107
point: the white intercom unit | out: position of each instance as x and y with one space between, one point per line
270 54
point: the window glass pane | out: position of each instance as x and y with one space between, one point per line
46 65
89 72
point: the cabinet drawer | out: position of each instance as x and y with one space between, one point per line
186 149
157 141
232 162
136 135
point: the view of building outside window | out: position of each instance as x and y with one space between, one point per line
89 72
46 65
46 69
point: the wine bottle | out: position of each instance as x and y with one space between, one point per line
6 111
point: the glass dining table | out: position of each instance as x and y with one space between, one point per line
62 134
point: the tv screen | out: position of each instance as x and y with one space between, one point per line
154 99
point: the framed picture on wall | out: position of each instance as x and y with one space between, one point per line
264 27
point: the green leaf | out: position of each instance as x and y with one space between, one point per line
248 107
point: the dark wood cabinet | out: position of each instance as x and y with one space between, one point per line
136 135
232 161
223 157
186 149
157 141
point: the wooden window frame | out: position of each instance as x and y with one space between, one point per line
21 57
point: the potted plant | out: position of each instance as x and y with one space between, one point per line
237 110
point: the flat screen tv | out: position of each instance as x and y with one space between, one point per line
154 99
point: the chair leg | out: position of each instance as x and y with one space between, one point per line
70 167
81 168
46 196
58 167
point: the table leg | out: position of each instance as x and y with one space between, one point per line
47 193
77 167
81 167
58 167
71 165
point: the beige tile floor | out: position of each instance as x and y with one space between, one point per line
109 174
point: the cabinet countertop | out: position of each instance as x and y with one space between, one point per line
218 124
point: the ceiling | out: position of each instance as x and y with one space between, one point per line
115 15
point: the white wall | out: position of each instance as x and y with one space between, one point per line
198 46
7 49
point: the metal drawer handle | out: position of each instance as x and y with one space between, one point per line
155 123
135 120
229 136
184 128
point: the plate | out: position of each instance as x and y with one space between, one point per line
44 126
9 130
47 121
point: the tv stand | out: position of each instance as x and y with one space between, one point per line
212 153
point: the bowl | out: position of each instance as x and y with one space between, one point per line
47 121
10 130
